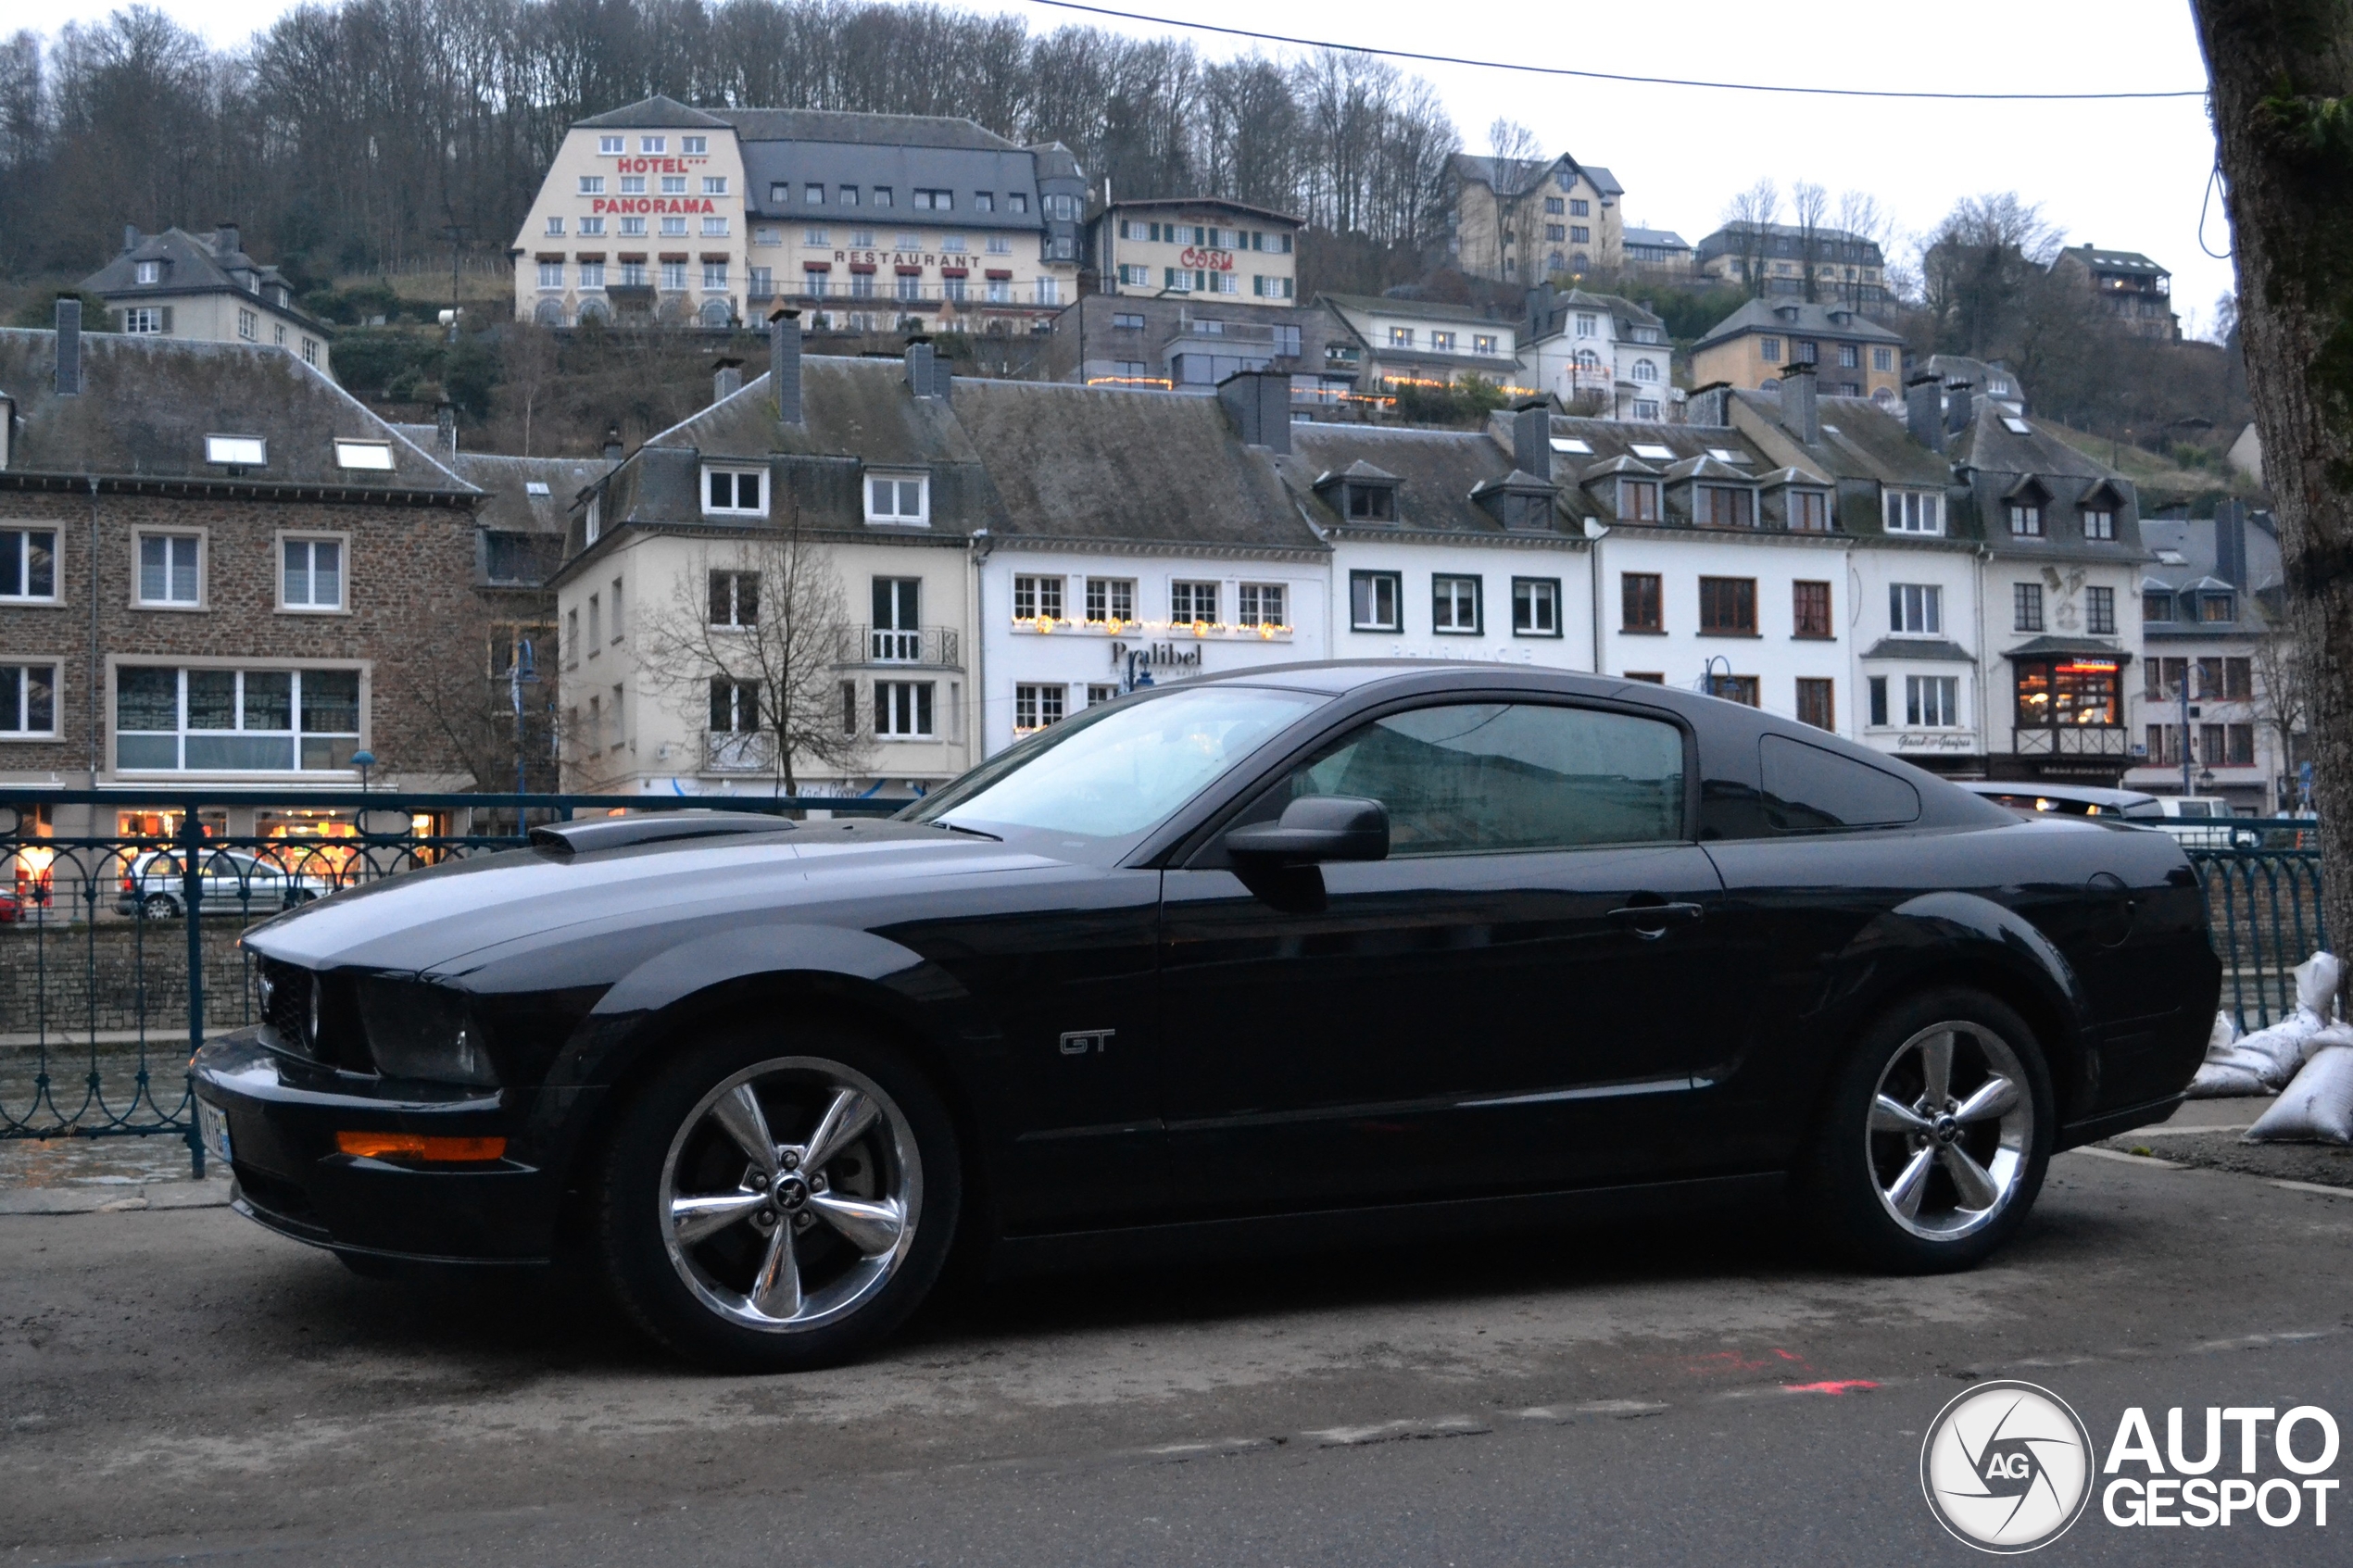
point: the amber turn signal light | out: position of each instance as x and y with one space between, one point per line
416 1145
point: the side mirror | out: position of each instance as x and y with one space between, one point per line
1314 829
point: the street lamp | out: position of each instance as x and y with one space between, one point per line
363 761
2205 781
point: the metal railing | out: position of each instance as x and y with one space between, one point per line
901 645
118 952
2071 740
2263 914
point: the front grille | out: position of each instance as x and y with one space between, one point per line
338 1039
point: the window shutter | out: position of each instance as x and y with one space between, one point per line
166 320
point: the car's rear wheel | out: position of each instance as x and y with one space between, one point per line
159 905
779 1200
1932 1145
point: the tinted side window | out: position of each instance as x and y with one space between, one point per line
1500 776
1809 790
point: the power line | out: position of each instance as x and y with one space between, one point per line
1612 76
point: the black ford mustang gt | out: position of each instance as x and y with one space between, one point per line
1326 953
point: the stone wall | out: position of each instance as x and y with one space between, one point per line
58 976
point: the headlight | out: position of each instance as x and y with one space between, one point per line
420 1031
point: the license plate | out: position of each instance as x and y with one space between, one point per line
212 1125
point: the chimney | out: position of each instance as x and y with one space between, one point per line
1800 414
784 364
1960 407
445 427
1259 404
1532 440
1707 405
130 238
1922 414
612 443
919 366
224 240
727 379
69 347
2230 543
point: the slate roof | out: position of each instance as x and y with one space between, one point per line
196 264
1691 449
1790 318
2194 538
1163 203
1112 464
1514 176
651 114
1383 304
509 503
1660 239
1435 471
148 403
1787 240
1927 650
866 130
1862 446
1550 311
1996 461
2099 260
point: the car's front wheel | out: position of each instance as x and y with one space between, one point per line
1932 1144
159 905
777 1200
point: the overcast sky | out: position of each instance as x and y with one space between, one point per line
2126 176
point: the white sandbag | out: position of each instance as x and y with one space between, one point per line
2226 1080
2316 1108
2316 982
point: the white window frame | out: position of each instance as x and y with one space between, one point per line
736 472
147 273
653 143
139 537
592 186
1250 603
920 711
1918 512
695 146
1033 698
1910 602
21 535
1114 596
143 320
920 517
1453 626
17 668
1544 592
714 184
1193 589
248 325
1944 686
611 146
2099 522
371 456
301 668
304 537
1039 596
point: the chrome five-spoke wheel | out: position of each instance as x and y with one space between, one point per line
1950 1130
790 1195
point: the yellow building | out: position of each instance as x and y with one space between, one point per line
1524 221
206 288
1196 245
659 212
1852 356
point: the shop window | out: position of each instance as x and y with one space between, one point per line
2053 694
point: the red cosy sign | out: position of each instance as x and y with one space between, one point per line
1209 260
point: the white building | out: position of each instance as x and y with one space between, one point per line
1598 354
1401 342
2215 642
1141 537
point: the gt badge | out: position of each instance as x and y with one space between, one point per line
1078 1042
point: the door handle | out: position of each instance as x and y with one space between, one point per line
1650 921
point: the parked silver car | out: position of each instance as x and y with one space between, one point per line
230 881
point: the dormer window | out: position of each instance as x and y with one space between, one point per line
1372 503
149 272
735 492
2099 523
1915 511
899 499
1638 500
1723 505
1809 511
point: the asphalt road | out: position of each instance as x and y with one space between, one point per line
179 1387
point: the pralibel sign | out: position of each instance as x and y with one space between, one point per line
1156 656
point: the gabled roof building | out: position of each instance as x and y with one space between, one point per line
1527 221
204 287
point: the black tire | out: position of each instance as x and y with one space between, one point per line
1852 1184
705 1297
159 905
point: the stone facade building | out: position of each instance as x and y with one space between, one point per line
219 570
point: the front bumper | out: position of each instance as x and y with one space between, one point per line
283 1113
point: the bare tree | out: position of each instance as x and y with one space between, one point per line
1749 218
530 363
2280 701
749 649
1509 145
1862 221
1810 206
1988 255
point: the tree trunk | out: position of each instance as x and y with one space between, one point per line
2281 75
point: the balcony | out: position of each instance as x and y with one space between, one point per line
933 646
726 751
2072 740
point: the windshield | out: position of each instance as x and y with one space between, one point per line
1114 771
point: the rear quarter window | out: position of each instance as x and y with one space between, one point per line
1807 789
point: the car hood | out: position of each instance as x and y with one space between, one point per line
453 918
